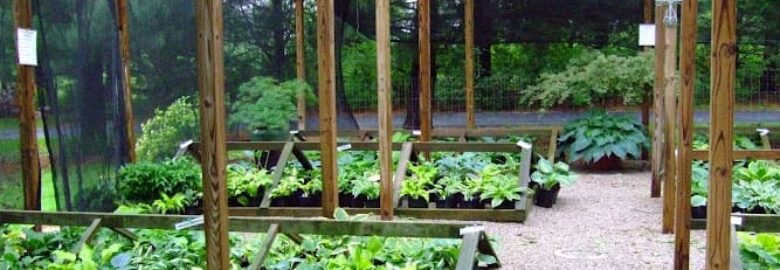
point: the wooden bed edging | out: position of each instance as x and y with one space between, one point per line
750 222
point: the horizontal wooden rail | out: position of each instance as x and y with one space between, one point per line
447 132
373 146
495 215
750 223
319 226
742 154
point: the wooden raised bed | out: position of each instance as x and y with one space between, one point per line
288 150
750 222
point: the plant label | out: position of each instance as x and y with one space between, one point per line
647 35
183 148
344 147
188 223
523 144
417 133
762 131
294 132
472 229
27 47
736 221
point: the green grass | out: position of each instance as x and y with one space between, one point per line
13 123
48 201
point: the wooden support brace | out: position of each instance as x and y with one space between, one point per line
87 236
302 159
400 173
125 232
296 238
553 146
265 247
278 172
486 248
468 251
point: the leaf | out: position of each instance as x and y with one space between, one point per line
698 200
340 214
486 260
121 260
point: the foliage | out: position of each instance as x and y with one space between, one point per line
415 189
244 181
144 181
174 204
741 142
502 188
548 175
757 185
450 185
367 186
592 77
288 184
265 104
760 251
700 177
161 135
601 135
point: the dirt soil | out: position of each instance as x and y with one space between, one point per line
604 221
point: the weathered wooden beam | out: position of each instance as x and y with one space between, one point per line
670 131
123 31
468 22
302 159
126 233
723 69
495 215
750 223
385 108
486 248
742 154
211 82
265 247
424 48
553 146
316 226
278 173
25 84
658 154
373 146
682 222
326 80
400 173
87 236
468 251
300 61
451 132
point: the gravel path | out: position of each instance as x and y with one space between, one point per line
605 221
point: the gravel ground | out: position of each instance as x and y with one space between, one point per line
605 221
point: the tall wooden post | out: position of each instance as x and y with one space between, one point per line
670 134
124 54
469 69
424 25
385 96
211 82
25 83
658 105
723 68
647 16
682 221
326 84
300 61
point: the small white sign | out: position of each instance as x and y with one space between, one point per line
647 35
472 229
27 46
736 221
344 147
416 132
188 223
294 132
523 144
763 131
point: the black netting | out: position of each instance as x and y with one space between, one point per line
80 93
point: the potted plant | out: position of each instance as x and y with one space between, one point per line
449 191
416 193
757 187
502 192
267 107
245 184
284 194
366 190
601 141
548 179
700 174
312 190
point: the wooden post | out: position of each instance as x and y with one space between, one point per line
682 222
670 132
469 28
300 61
385 96
723 68
326 82
124 53
647 98
424 25
211 82
658 105
25 83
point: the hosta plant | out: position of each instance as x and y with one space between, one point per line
549 175
503 188
600 135
700 175
760 251
750 195
244 181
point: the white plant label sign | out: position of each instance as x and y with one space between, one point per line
647 35
27 46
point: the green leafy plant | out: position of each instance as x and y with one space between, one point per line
367 186
548 175
144 181
741 142
760 170
415 189
288 185
752 194
449 185
601 135
502 188
244 181
265 104
700 176
171 204
161 135
314 184
760 251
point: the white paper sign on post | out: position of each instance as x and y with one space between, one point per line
647 35
27 47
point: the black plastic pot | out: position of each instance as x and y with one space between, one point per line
504 205
451 201
286 201
470 204
417 203
699 212
345 200
312 200
371 203
758 210
605 164
546 198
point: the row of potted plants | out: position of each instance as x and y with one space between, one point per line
755 190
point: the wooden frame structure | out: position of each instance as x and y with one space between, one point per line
473 237
408 150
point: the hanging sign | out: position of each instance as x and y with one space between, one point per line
647 35
27 47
